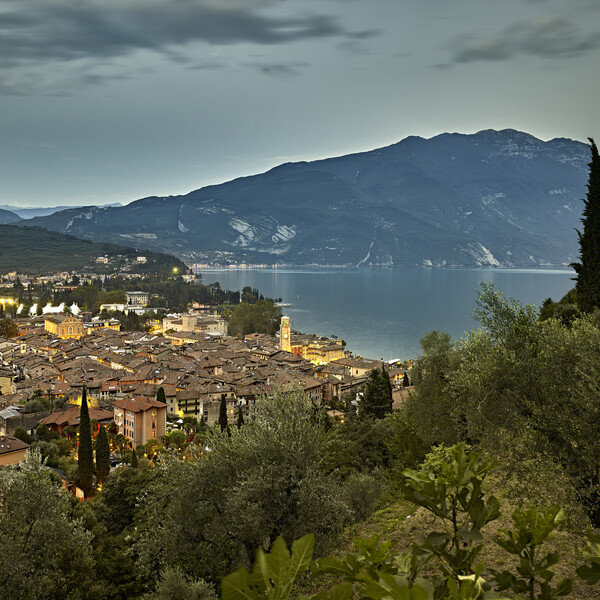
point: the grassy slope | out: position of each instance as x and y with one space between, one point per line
403 523
36 250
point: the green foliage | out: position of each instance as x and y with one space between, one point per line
249 295
223 413
449 485
22 435
35 405
533 579
102 456
587 284
358 445
274 573
160 395
430 407
261 317
85 471
44 433
8 328
261 482
175 585
377 398
38 250
47 552
240 419
591 573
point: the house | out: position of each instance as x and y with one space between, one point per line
137 298
358 367
12 450
140 418
7 384
64 326
69 414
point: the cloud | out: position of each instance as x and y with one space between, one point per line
549 38
63 30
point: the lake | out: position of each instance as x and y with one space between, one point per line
383 313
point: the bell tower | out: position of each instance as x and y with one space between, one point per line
285 339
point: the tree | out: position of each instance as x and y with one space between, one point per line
8 328
587 284
377 399
223 413
240 420
160 395
48 552
174 585
263 481
85 471
261 317
102 456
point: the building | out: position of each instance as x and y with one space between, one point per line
64 326
137 298
70 414
7 384
95 324
140 419
285 335
194 324
12 450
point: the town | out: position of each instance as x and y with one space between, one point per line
179 374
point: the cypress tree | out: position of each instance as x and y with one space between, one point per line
223 413
587 286
160 395
240 420
405 380
102 456
134 460
85 471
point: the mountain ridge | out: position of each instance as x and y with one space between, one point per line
494 198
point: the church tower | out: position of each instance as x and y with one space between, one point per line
285 337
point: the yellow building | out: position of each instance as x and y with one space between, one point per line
64 326
285 335
321 355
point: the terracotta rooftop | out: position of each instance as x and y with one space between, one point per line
9 444
138 403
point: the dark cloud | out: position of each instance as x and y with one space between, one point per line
280 68
63 30
549 38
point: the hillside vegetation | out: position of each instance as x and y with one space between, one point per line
37 250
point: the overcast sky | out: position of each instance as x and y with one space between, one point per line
113 100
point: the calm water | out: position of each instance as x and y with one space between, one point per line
383 313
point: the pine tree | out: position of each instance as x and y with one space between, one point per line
587 285
102 456
377 398
85 471
240 420
223 413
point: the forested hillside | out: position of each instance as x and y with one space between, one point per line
36 250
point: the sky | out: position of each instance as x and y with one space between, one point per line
105 101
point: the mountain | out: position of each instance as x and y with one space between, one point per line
41 211
6 216
494 198
36 250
